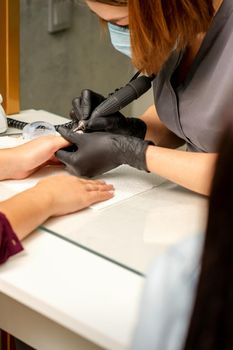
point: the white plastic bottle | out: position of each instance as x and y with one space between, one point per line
3 120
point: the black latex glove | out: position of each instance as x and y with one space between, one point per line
84 107
99 152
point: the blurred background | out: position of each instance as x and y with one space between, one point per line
64 49
56 66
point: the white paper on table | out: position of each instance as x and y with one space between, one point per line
5 192
9 142
127 182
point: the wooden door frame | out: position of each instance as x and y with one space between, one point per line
9 55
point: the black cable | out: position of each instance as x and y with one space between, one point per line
14 123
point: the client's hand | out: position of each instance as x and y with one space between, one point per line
21 161
99 152
68 194
52 196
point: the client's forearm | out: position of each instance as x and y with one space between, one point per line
27 210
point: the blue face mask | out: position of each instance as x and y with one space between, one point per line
120 38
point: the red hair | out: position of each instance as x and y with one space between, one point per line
157 26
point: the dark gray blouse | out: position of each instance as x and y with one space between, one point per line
197 109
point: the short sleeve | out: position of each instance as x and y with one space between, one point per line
9 242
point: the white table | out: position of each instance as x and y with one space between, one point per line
84 293
55 295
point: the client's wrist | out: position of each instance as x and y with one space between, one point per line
8 163
44 197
